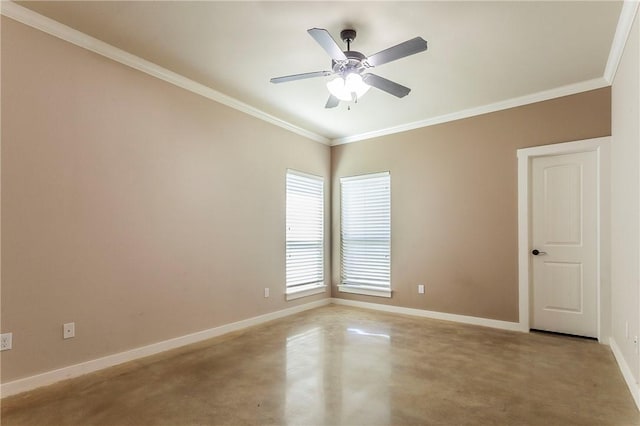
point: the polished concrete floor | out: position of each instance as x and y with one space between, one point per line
337 365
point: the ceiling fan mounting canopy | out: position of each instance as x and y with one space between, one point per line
348 36
349 67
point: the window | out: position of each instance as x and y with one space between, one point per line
365 234
305 235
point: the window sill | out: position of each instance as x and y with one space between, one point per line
304 291
367 291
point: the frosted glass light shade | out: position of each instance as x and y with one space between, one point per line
347 89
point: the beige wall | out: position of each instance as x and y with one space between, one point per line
136 209
625 197
144 212
454 201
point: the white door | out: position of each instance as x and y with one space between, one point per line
564 244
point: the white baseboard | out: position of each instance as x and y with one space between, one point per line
485 322
626 372
50 377
53 376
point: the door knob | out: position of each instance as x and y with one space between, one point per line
536 252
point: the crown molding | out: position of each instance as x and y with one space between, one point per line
623 29
558 92
56 29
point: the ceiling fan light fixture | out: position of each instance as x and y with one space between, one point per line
348 88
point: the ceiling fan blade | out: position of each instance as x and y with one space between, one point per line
399 51
327 42
300 76
332 102
385 85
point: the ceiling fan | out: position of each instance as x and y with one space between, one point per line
349 67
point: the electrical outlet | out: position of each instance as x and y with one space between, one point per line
626 330
266 292
421 288
6 341
68 330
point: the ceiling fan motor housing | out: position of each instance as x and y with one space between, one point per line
354 63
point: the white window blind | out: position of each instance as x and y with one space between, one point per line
305 232
365 235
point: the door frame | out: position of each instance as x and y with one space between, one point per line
525 158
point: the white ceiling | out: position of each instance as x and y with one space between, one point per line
480 53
